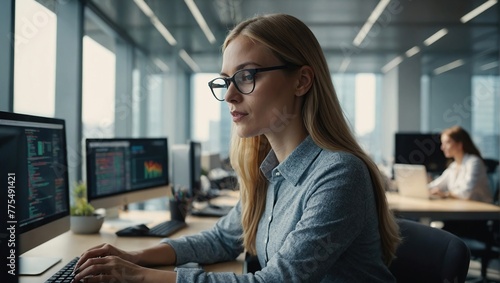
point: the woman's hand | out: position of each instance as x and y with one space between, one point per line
103 250
110 268
438 192
106 263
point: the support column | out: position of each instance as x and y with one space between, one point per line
68 101
123 98
7 55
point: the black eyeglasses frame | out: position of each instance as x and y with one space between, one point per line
253 72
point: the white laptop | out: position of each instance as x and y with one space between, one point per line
411 181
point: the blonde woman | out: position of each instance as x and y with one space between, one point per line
312 206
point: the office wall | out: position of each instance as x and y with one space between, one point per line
409 94
450 100
389 113
177 103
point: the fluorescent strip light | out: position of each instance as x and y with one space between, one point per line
189 61
345 63
161 65
200 20
435 37
144 8
488 66
363 32
449 66
156 22
393 63
474 13
163 31
412 51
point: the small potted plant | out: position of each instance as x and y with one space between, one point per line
84 219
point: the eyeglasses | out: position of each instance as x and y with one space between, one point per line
244 81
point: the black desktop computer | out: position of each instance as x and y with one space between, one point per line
34 166
187 173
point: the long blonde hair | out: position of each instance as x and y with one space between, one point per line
294 43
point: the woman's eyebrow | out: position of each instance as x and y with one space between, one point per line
239 67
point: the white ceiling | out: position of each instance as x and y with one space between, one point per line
402 25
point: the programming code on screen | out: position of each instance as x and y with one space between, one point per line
34 151
46 185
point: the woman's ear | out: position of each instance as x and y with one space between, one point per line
305 80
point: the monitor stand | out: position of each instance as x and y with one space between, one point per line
29 265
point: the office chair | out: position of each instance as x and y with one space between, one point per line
251 264
485 249
429 255
484 243
491 166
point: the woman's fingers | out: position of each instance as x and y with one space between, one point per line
108 268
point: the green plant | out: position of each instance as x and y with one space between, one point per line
80 206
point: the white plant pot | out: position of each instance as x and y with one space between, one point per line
86 224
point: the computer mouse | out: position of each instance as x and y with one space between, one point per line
136 230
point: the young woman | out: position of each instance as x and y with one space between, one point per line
465 177
312 208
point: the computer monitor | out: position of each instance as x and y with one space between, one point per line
420 148
34 163
121 171
186 167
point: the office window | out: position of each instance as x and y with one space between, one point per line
147 99
98 90
485 104
359 96
210 117
34 59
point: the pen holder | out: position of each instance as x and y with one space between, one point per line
178 209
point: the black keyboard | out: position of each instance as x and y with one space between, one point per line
64 274
166 228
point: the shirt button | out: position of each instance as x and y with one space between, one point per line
270 218
277 174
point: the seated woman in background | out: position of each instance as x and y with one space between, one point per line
465 177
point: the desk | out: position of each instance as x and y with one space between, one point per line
69 245
442 209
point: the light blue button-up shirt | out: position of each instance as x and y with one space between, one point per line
319 225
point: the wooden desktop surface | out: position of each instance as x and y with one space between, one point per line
69 245
442 209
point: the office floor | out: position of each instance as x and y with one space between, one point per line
475 271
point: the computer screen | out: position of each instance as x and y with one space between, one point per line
34 159
186 167
126 170
420 148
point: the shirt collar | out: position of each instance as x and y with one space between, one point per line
295 164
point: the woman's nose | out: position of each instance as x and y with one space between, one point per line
232 94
